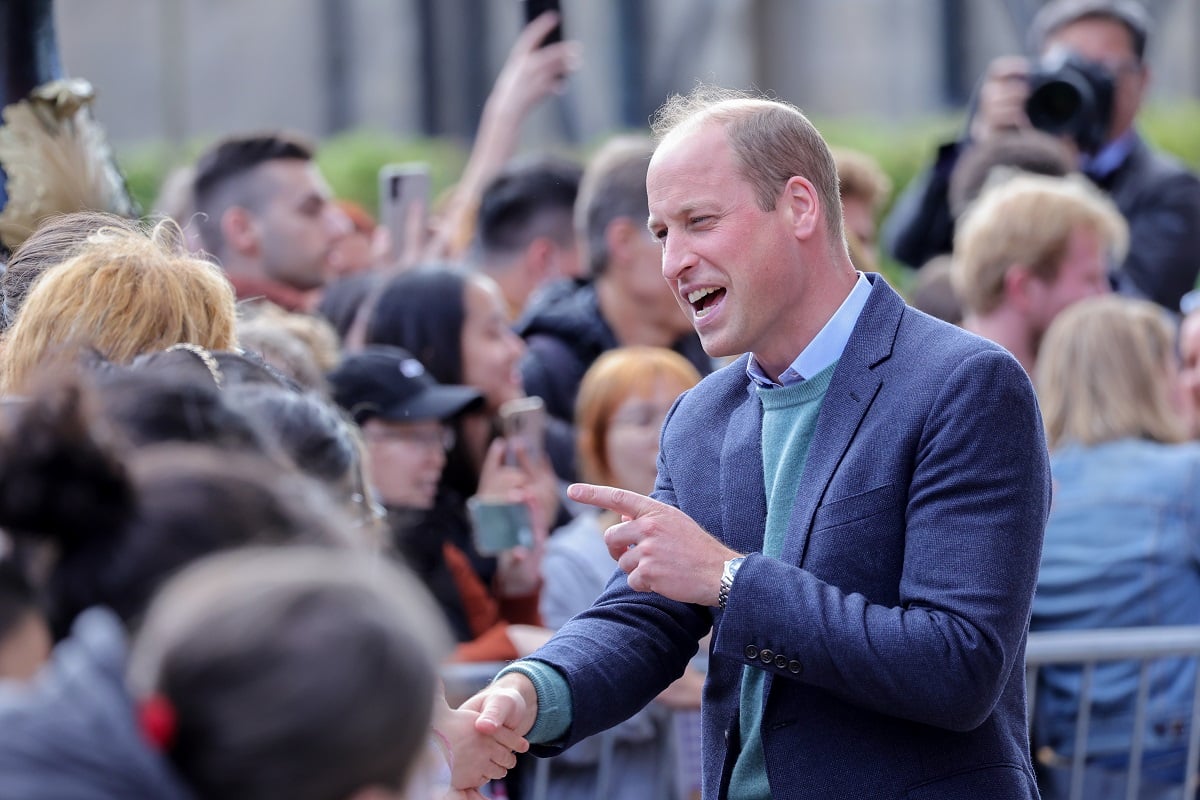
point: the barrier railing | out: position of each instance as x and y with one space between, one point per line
1086 649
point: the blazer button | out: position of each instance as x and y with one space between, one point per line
751 652
781 661
795 667
766 655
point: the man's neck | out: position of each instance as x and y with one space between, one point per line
253 285
1007 329
630 323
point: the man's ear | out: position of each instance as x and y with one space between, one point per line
621 236
540 262
804 207
239 229
1019 287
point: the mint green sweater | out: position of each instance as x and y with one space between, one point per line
789 419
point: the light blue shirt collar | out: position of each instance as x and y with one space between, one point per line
1111 156
826 347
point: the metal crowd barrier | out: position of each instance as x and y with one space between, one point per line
1080 648
1089 648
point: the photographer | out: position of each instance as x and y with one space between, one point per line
1087 87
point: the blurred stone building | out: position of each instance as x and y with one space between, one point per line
177 70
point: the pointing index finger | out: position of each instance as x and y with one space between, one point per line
626 503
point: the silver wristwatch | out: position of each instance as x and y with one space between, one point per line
727 575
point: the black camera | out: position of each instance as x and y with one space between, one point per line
1069 96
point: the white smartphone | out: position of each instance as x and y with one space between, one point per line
523 426
404 197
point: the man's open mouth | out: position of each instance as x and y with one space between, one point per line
704 299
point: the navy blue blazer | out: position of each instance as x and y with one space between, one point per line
893 626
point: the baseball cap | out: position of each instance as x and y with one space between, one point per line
1057 13
388 383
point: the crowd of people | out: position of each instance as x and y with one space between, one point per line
256 461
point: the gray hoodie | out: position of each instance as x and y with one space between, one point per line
72 733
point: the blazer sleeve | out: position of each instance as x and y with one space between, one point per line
620 653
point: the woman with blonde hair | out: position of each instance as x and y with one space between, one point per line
123 293
1122 546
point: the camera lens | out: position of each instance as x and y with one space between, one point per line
1055 107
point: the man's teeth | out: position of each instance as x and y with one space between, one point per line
698 294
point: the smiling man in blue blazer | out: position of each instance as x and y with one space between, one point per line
855 507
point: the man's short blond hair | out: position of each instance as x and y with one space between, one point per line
1028 220
771 140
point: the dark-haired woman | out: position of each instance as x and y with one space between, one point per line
455 323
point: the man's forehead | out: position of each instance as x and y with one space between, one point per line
1083 31
678 148
292 175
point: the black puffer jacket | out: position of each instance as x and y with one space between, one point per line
564 333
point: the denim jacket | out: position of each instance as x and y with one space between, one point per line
1122 549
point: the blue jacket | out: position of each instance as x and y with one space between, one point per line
894 625
1122 550
73 732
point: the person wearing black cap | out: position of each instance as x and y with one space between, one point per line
405 416
402 412
1097 46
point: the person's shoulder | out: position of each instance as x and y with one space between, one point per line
729 380
709 404
934 341
1130 466
561 307
1150 168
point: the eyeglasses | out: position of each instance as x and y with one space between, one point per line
639 416
442 437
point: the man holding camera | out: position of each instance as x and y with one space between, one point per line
1086 87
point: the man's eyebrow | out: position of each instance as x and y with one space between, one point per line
684 212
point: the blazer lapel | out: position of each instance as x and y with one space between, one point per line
850 394
742 477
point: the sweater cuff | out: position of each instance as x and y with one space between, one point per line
553 699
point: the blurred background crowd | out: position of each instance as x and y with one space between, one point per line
288 405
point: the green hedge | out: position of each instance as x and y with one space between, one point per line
351 161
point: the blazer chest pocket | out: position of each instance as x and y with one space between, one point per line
857 544
856 507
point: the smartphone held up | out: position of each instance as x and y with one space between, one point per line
523 426
535 8
404 197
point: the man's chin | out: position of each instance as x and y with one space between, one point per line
715 347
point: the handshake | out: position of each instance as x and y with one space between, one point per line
480 740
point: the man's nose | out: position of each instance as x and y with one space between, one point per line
337 221
676 259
